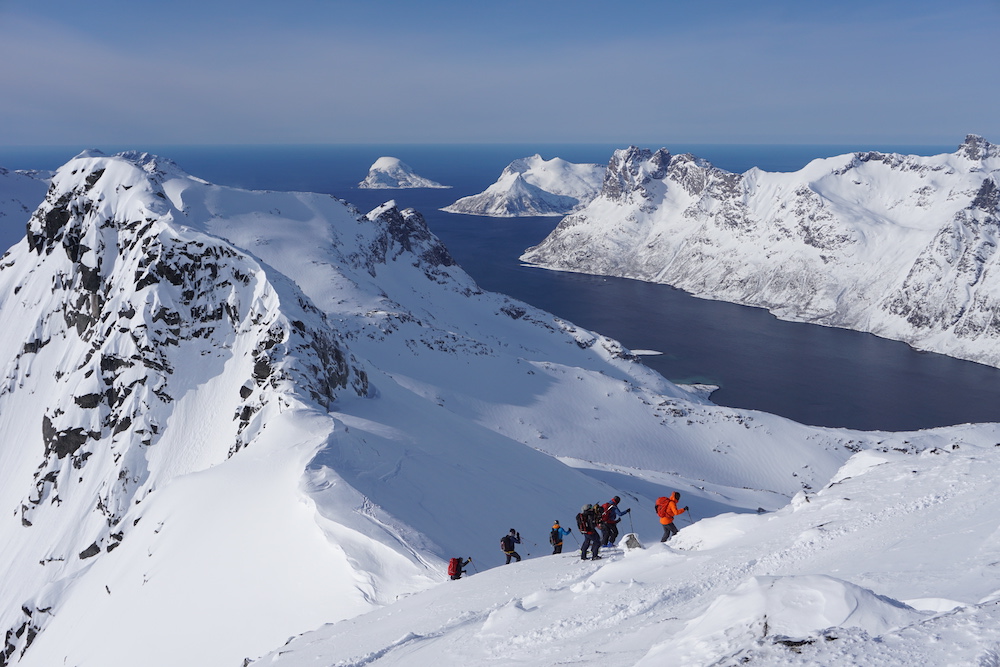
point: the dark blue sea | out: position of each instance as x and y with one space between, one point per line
814 375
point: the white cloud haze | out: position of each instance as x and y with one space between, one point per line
197 77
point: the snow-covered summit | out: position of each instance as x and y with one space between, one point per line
390 173
535 186
902 246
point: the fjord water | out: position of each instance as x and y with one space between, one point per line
814 375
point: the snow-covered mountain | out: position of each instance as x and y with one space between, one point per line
535 186
229 417
900 246
390 173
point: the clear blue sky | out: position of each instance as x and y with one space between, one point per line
651 72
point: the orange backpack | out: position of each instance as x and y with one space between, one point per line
661 506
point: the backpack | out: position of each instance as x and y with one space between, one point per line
454 567
598 516
581 523
663 508
606 514
506 543
555 537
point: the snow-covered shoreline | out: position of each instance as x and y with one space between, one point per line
899 246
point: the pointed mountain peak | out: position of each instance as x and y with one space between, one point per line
631 168
90 152
976 147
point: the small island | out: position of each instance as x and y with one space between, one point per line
390 173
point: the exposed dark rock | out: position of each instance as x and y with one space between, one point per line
111 364
34 346
93 177
90 551
988 197
513 312
65 442
57 216
90 278
262 369
622 176
123 425
977 148
88 400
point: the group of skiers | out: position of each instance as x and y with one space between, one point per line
598 523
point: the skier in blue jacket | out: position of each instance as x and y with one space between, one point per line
556 537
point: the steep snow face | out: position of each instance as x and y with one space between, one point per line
534 186
892 563
20 192
900 246
390 173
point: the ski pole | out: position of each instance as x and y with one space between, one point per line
631 528
473 565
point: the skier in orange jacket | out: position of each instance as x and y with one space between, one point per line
667 509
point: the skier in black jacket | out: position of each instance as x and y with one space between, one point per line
507 543
587 523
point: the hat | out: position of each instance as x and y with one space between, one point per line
512 530
586 507
556 522
616 500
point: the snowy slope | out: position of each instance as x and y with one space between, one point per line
535 186
894 563
900 246
392 173
228 417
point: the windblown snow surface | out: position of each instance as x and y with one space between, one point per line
390 173
231 417
901 246
893 563
535 186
